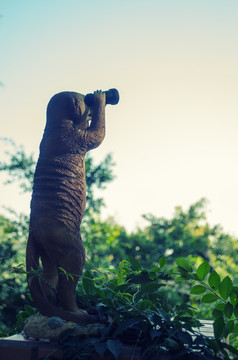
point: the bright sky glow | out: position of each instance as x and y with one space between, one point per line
174 133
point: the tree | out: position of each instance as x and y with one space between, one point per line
20 167
187 233
12 288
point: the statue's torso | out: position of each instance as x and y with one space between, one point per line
59 190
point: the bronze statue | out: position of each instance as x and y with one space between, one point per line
58 203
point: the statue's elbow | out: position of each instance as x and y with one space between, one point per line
99 140
95 139
101 136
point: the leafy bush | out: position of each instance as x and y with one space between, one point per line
133 301
223 294
12 287
140 314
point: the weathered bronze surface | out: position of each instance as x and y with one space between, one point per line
58 203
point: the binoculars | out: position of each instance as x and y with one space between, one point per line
112 97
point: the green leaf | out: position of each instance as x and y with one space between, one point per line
217 313
162 262
203 270
126 324
228 311
142 278
135 265
185 337
235 289
100 349
172 344
150 288
197 289
235 329
225 287
214 280
220 306
67 274
145 304
212 344
88 284
184 264
163 314
209 298
233 297
236 311
29 310
218 327
230 326
114 346
155 269
184 274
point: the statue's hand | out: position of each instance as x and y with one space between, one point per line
99 98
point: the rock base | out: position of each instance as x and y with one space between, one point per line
40 327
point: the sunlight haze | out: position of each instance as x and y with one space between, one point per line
173 134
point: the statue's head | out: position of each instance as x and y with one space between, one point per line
69 105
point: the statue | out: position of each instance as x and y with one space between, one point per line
73 127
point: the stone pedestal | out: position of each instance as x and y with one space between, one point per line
16 347
40 327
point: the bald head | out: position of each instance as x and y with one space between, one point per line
68 105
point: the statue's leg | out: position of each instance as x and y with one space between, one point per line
50 279
73 263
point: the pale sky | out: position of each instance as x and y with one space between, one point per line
173 134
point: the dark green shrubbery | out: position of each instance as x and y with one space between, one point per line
134 301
